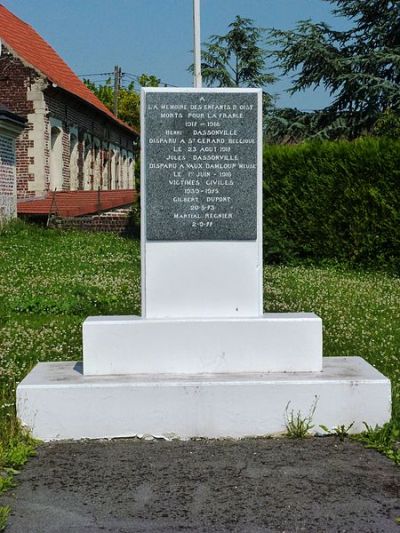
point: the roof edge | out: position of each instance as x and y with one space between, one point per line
112 117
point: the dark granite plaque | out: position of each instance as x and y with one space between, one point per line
200 154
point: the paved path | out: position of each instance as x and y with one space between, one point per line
255 485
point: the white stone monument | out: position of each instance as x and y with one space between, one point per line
202 360
202 291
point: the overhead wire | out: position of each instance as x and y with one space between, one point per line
129 75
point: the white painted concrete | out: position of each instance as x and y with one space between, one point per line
202 278
56 402
284 342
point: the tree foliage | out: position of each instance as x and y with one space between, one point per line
359 67
388 125
290 125
149 80
128 97
235 59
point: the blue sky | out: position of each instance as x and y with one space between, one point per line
155 36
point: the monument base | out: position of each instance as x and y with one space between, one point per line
56 401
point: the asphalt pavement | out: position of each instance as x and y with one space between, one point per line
271 485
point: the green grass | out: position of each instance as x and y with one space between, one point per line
361 316
360 311
4 513
50 281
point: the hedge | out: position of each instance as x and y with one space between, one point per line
333 200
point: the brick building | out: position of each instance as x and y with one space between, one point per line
72 141
11 126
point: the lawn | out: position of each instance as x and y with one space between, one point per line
50 281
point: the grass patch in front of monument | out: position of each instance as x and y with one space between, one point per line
361 316
4 513
51 280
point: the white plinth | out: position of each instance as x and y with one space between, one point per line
201 279
275 342
56 401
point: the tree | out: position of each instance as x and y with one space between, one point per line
149 80
235 59
289 125
388 125
360 67
128 97
105 92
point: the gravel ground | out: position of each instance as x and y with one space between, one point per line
276 485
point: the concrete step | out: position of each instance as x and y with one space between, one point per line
56 401
273 342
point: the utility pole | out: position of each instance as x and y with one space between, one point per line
196 44
117 85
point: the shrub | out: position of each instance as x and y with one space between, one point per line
133 227
333 200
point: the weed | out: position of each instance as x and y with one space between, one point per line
19 450
19 447
6 481
384 439
4 514
298 426
341 431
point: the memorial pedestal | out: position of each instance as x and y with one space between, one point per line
56 401
274 342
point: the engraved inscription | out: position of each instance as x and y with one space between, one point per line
201 165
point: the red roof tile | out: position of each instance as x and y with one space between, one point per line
77 203
34 50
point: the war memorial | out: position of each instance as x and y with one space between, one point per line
203 359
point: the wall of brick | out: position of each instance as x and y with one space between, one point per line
15 77
24 92
114 221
